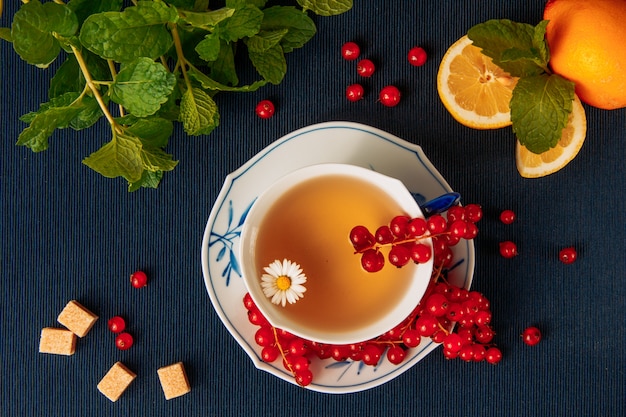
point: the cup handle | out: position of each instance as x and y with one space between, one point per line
440 204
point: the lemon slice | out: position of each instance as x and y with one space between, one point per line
473 89
532 165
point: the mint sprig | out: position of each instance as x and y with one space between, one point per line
154 63
542 101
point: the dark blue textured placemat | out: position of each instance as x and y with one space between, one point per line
68 233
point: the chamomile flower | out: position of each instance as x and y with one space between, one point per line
283 281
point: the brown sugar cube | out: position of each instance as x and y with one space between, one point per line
57 341
77 318
115 382
173 380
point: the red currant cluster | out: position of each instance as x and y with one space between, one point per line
404 235
442 306
390 94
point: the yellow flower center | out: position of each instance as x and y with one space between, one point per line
283 282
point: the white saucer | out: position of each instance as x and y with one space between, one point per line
340 142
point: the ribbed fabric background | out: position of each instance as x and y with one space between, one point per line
68 233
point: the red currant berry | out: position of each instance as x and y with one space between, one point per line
493 355
471 231
417 56
365 68
417 227
508 249
399 226
483 334
473 212
507 216
389 96
265 109
269 353
248 302
138 279
480 352
568 255
371 354
355 92
396 355
116 324
350 51
427 325
458 228
304 377
437 304
411 338
255 317
454 312
361 238
340 352
295 363
399 255
483 317
455 213
264 336
453 342
531 336
372 260
467 353
124 341
297 347
437 224
383 235
421 253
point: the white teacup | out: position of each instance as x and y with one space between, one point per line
307 215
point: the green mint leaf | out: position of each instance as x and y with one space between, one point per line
300 27
514 47
89 114
84 8
148 179
198 112
244 22
210 84
58 113
223 69
326 7
142 86
209 48
154 131
265 40
271 64
540 107
33 27
185 4
157 160
138 31
121 157
5 33
205 20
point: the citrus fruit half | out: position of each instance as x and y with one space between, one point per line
532 165
473 89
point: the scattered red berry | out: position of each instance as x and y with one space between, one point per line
389 96
568 255
124 341
508 249
531 336
350 51
417 56
355 92
493 355
365 68
116 324
265 109
139 279
507 216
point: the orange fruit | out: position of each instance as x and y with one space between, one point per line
473 89
587 41
532 165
